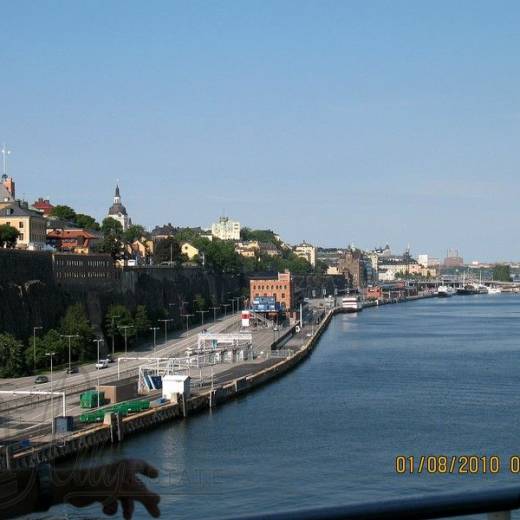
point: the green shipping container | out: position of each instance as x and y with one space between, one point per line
89 399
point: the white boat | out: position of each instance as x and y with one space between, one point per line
494 290
352 303
444 291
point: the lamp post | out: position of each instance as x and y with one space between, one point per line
34 345
69 337
214 309
232 300
165 321
113 341
155 329
50 354
187 316
98 341
225 305
125 328
170 305
202 316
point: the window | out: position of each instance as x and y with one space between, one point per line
20 225
21 236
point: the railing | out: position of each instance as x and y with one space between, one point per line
497 504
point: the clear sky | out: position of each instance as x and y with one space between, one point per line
335 122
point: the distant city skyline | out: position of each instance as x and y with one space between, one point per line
335 122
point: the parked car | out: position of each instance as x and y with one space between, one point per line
41 379
103 363
72 370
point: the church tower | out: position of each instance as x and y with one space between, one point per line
118 212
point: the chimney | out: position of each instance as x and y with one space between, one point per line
9 186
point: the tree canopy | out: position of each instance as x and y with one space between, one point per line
8 236
502 273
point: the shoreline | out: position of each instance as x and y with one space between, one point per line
117 428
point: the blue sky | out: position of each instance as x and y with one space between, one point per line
335 122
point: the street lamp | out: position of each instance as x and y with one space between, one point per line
125 328
69 337
165 321
34 345
98 341
170 305
202 316
113 326
155 329
50 354
187 316
225 305
214 309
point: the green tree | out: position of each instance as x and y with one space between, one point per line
111 226
12 359
51 341
141 321
76 321
63 213
118 316
8 236
134 233
86 222
502 273
200 302
166 250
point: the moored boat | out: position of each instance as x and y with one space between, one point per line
444 291
352 303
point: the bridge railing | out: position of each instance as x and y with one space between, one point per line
497 504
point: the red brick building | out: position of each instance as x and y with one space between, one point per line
281 288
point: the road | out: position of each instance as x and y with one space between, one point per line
26 420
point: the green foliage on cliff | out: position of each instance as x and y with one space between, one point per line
75 321
261 235
141 320
8 236
12 359
502 273
51 341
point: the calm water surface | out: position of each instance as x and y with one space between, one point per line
437 376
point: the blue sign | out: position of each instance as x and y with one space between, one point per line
265 304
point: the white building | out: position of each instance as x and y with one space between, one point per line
427 261
226 229
307 251
118 212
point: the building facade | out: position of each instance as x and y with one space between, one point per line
352 266
30 224
189 250
226 229
281 288
307 251
118 212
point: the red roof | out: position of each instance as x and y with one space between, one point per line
70 233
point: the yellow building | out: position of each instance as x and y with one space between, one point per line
31 225
190 251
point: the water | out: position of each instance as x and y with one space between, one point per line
437 376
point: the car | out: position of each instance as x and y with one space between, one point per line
275 328
309 334
109 358
102 363
72 370
41 379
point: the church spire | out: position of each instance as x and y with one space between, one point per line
117 191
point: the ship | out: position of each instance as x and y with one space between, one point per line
352 303
444 291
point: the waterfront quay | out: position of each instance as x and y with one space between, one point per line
276 352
